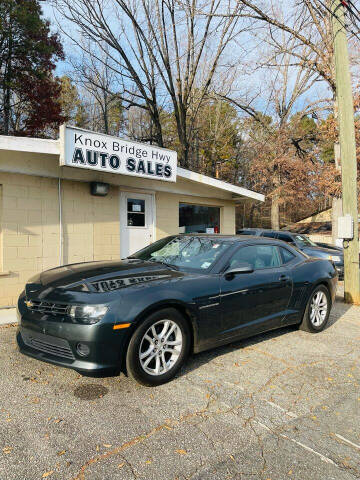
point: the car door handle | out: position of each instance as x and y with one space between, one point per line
284 278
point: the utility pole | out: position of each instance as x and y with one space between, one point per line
347 150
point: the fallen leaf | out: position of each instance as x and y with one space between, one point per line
180 451
121 465
208 395
236 364
148 461
58 420
330 379
232 458
7 450
61 453
107 445
97 448
290 472
47 474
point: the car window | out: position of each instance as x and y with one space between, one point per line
285 238
195 253
286 255
258 256
246 232
269 234
304 241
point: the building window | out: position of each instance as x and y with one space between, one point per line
135 212
198 219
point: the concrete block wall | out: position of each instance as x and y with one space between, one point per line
91 228
30 228
29 231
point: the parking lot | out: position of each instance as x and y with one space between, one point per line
283 405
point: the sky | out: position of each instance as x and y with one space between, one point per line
256 81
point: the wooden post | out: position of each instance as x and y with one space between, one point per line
347 151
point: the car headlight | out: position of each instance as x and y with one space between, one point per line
334 258
88 314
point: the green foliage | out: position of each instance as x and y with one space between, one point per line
28 52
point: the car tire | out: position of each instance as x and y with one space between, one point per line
317 310
158 348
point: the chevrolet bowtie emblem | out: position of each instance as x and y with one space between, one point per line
29 303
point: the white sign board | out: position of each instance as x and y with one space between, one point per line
96 151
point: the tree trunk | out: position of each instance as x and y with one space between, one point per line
275 216
275 200
251 215
156 124
7 90
106 114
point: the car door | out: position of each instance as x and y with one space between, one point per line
257 301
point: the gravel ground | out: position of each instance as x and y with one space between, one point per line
284 405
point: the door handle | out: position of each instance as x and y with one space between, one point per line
284 278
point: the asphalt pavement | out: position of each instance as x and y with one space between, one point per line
284 405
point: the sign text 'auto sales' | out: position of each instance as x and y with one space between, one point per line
95 151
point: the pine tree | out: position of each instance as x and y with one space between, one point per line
29 92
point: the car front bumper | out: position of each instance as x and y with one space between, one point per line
56 342
340 270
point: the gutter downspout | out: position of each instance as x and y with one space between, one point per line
60 224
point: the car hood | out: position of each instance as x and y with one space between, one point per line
100 276
321 251
331 247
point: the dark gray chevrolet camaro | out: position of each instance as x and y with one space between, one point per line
182 294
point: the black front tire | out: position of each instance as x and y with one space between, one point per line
307 325
133 363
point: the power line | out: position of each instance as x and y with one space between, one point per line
343 25
349 13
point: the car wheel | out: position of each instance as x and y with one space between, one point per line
158 347
317 310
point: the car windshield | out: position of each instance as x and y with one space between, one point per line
194 253
304 241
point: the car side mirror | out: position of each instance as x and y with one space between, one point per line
240 269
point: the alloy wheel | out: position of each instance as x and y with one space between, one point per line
318 308
160 347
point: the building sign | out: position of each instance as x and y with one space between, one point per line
96 151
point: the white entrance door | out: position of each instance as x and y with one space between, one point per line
136 222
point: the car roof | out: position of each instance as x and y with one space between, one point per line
233 238
269 230
252 228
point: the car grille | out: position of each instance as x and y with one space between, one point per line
47 307
47 344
